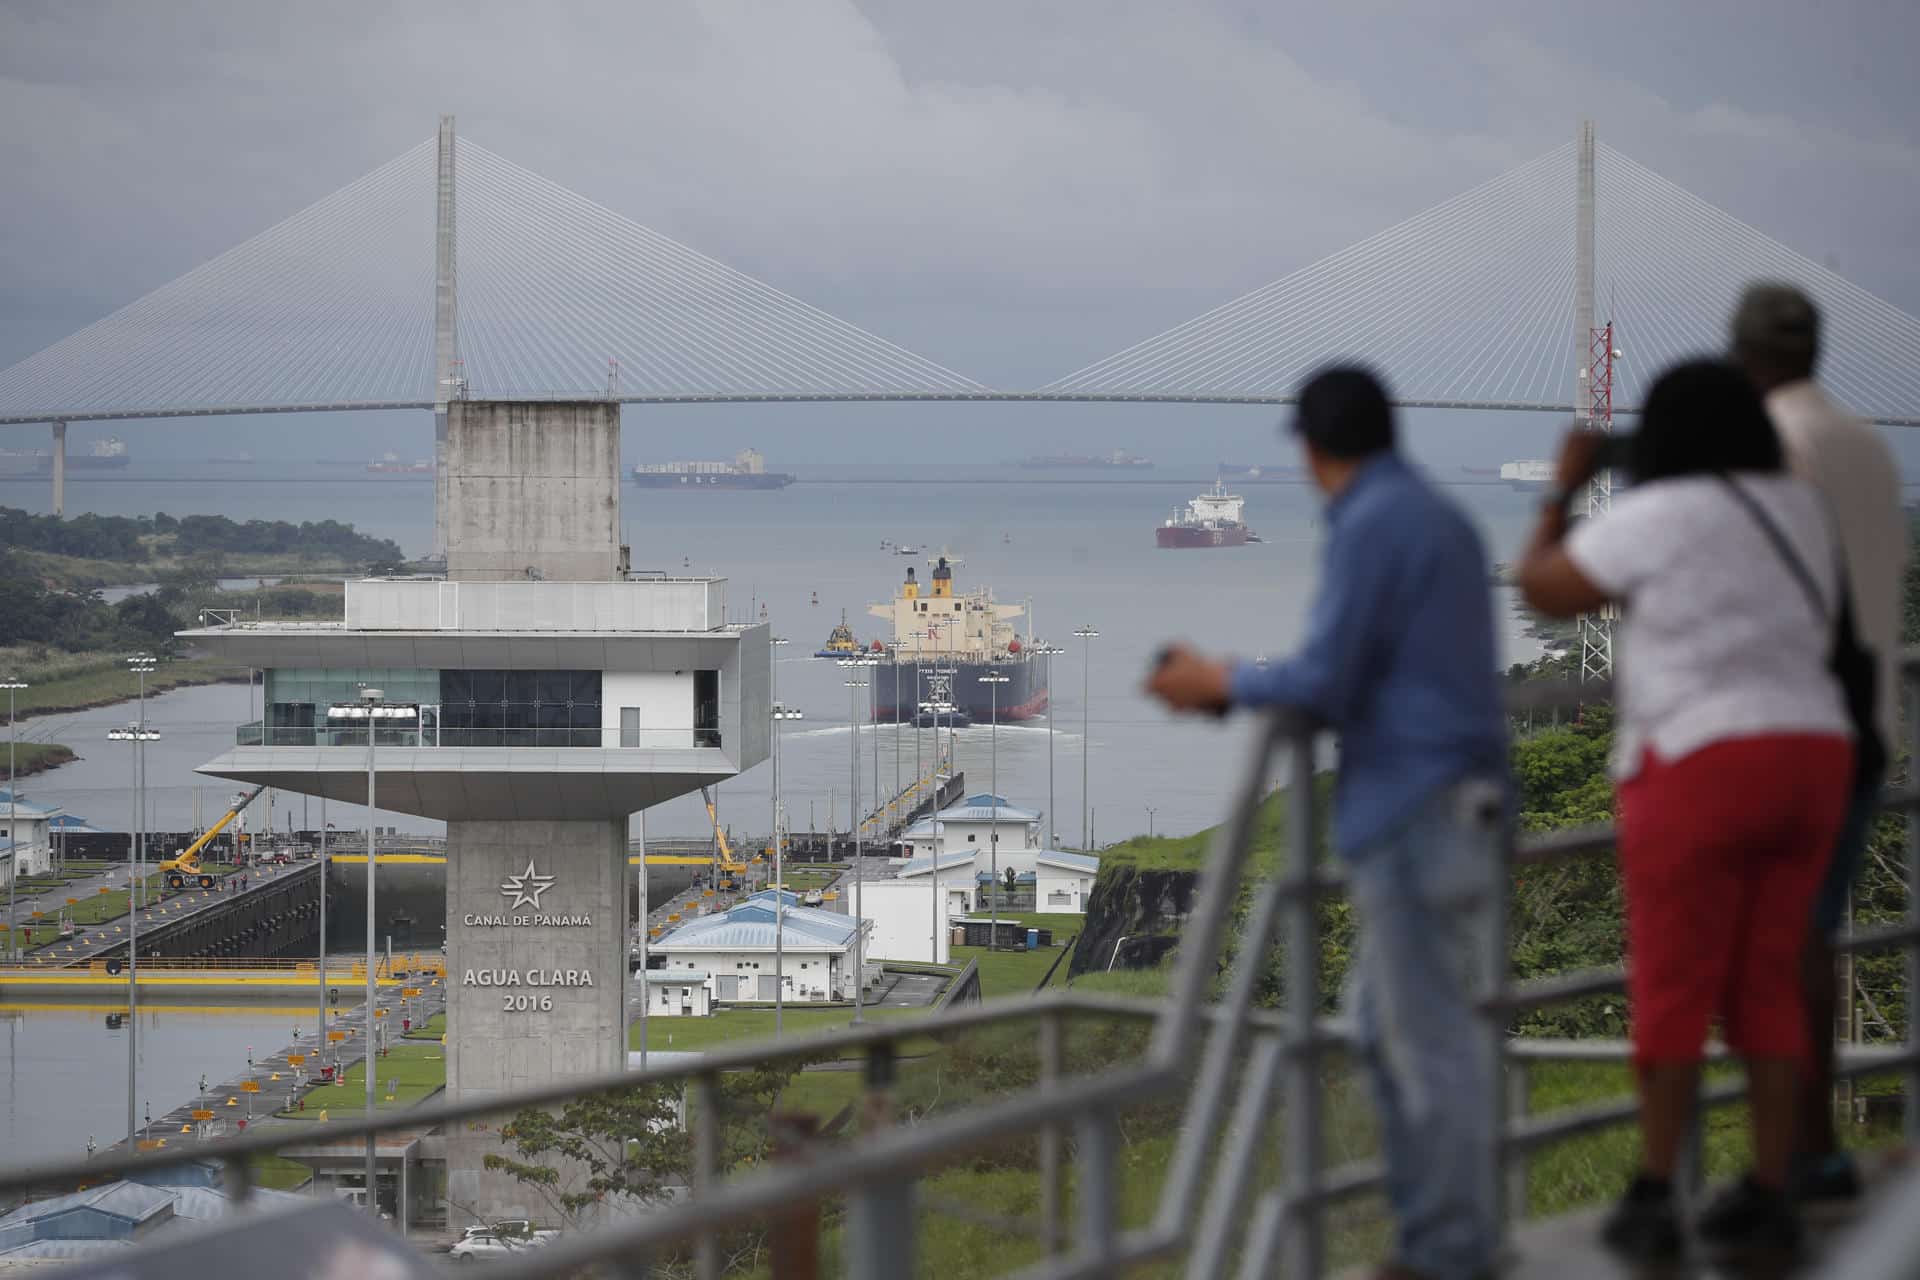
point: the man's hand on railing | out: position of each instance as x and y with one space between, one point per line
1185 681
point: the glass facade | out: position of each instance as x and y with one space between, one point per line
469 708
519 708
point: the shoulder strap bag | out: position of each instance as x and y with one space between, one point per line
1850 661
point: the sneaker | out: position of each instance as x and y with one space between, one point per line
1751 1218
1644 1227
1824 1180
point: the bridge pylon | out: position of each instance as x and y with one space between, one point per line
446 325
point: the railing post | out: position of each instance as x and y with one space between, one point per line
1304 1248
1507 1197
793 1240
1097 1161
1514 1165
1052 1055
706 1167
880 1231
1911 1120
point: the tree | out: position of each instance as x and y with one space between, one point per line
628 1145
625 1144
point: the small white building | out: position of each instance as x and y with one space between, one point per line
1059 881
25 828
903 922
956 887
1064 881
679 993
972 824
734 950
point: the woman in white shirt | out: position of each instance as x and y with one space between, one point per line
1732 761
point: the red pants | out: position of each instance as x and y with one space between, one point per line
1722 852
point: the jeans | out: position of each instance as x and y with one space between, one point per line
1422 892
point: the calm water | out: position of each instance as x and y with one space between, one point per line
63 1071
1081 551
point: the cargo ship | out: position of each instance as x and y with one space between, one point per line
942 644
748 470
1118 460
1259 473
1527 474
390 465
102 455
1210 520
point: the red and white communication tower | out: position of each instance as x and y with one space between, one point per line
1593 390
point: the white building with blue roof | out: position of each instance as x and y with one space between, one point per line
734 950
115 1216
973 824
1059 881
24 828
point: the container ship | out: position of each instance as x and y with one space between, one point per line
1527 474
748 470
1118 460
942 644
390 465
1210 520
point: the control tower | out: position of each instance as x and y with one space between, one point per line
553 694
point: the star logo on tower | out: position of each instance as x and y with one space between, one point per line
525 889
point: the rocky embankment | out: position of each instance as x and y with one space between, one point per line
1134 918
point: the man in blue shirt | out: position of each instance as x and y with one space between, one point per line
1399 660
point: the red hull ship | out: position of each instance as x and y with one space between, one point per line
1210 520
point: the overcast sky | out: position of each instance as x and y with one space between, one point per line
1010 188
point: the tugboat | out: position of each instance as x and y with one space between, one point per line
942 644
840 642
1210 520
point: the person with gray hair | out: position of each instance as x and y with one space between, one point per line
1776 341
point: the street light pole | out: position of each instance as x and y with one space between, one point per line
135 734
141 664
933 815
646 992
854 686
372 709
780 714
993 683
1149 822
12 684
1087 635
1047 650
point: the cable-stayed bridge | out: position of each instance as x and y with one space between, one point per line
451 270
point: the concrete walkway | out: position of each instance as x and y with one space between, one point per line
178 1126
91 942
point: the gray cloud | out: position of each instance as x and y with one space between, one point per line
1012 189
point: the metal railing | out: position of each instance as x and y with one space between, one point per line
1222 1060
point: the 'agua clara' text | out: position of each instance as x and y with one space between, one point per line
527 978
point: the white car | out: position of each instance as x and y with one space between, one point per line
475 1248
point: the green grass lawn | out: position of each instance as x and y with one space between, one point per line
418 1070
1009 974
68 681
35 757
432 1029
277 1173
732 1027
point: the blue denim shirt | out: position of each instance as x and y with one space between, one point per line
1399 657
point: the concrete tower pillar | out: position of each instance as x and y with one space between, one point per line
446 331
1583 273
59 468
